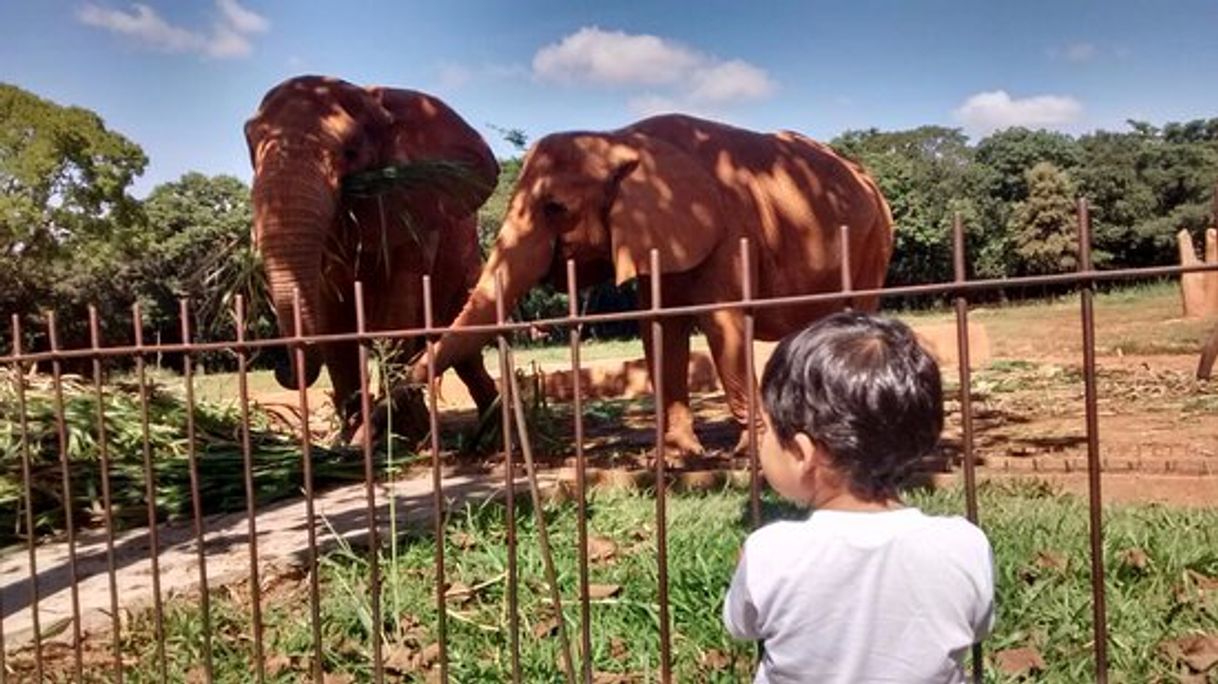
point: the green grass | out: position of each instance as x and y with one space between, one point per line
1043 605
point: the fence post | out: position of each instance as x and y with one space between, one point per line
1099 616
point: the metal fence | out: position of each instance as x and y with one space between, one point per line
578 666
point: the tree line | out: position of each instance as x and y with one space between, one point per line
71 233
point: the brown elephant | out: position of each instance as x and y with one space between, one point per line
309 135
689 188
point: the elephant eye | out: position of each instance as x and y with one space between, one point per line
553 210
350 153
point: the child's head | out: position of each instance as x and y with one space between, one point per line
863 392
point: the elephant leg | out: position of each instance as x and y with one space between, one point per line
472 372
342 363
678 418
724 331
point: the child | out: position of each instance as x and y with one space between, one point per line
866 589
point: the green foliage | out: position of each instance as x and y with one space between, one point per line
1043 226
923 174
66 220
197 245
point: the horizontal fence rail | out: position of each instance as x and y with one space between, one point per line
576 650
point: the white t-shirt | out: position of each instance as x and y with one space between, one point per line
890 596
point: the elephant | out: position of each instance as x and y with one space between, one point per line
690 188
309 136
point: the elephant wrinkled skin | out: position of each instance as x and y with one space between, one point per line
308 135
691 189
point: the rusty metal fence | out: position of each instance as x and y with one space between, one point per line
1083 281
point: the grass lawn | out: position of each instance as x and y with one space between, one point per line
1158 561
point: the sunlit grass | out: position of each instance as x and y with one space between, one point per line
1044 591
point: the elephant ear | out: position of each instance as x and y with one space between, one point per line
664 199
429 133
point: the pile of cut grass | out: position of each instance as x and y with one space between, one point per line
277 467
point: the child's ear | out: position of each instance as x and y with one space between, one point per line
806 451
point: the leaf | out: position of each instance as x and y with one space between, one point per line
603 591
1019 662
458 592
614 678
715 659
54 629
546 628
601 549
1135 560
277 664
399 659
1199 652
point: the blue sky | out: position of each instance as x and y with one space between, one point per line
180 78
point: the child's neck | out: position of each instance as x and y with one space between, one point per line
844 500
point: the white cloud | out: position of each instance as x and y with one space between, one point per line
1080 52
228 38
734 80
689 79
242 19
453 76
986 112
614 57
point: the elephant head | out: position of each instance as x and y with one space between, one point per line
309 134
603 200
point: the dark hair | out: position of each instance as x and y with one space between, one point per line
863 389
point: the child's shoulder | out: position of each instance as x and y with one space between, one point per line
942 536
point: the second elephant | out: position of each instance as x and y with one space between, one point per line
690 188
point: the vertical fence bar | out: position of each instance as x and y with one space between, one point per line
61 430
251 505
437 483
966 400
750 374
543 534
962 347
847 271
1099 612
374 543
154 545
657 346
509 467
107 499
306 458
196 499
581 479
31 536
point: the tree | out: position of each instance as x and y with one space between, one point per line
197 245
923 176
1043 226
65 214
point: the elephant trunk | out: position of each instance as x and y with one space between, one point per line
521 257
293 211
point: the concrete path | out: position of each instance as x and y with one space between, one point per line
282 544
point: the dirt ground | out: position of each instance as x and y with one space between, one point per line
1157 424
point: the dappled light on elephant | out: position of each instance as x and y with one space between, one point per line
690 189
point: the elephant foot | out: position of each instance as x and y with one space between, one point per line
407 419
744 441
683 444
